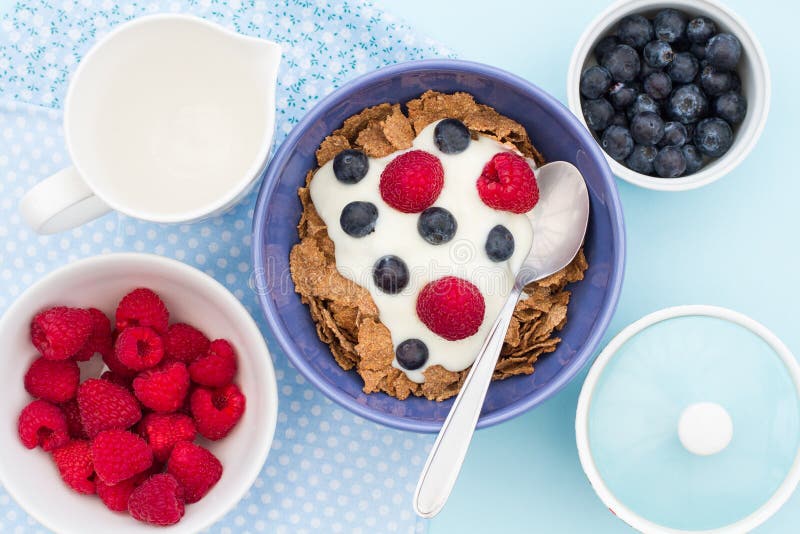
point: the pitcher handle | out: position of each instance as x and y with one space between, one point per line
61 202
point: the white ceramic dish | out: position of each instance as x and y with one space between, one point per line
30 476
582 432
753 70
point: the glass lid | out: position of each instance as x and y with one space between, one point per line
690 421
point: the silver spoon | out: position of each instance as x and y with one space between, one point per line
559 224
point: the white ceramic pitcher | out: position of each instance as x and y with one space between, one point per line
169 118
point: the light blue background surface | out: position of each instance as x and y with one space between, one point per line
733 243
729 244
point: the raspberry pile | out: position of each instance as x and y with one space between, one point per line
128 436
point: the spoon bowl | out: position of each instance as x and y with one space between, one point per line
559 220
559 224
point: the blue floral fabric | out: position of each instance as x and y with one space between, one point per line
328 470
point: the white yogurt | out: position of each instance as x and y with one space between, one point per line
396 233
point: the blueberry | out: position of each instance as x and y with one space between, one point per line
732 107
636 85
499 243
687 104
715 82
647 128
700 30
641 159
658 85
595 81
642 103
668 25
390 274
723 51
411 354
436 225
669 162
693 157
358 218
451 136
350 166
598 113
658 54
622 62
681 44
619 119
621 95
698 51
604 46
736 83
646 70
690 131
683 68
617 142
713 137
675 134
635 31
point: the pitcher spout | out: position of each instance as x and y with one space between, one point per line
265 56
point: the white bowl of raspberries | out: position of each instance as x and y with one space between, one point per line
676 93
139 393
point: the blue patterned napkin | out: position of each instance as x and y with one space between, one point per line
328 471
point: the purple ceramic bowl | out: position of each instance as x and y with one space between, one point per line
555 132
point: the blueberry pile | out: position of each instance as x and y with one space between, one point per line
665 95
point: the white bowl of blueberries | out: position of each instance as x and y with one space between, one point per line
676 93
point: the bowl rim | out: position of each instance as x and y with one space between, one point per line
640 523
729 161
219 291
273 175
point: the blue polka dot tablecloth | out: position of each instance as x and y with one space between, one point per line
328 470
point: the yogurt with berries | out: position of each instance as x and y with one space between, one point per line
435 233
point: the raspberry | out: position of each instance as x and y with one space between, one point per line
163 431
116 497
106 406
117 367
163 388
159 500
73 416
60 332
412 181
138 348
217 411
142 307
507 183
41 423
451 307
52 380
74 463
195 468
100 339
119 454
217 368
118 379
185 343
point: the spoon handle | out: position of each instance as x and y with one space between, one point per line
448 452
